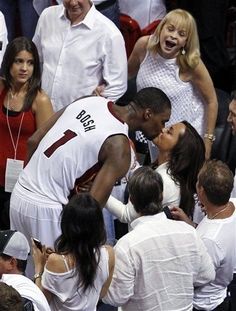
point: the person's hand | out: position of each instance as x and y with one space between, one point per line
99 90
85 186
179 214
49 251
39 257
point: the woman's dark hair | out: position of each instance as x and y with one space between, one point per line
13 48
83 233
145 189
186 160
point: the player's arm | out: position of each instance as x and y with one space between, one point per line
35 139
115 156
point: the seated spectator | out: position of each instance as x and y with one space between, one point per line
217 230
14 252
3 36
10 299
181 155
80 270
160 261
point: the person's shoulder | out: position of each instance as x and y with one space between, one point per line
56 263
51 11
42 97
107 26
142 43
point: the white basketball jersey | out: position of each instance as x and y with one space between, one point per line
69 151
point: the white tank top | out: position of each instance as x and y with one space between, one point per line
69 151
186 102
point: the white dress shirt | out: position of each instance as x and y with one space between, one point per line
157 265
3 36
27 289
77 58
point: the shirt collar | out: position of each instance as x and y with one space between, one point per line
87 21
144 219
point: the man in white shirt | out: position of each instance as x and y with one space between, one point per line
217 230
79 49
14 251
160 261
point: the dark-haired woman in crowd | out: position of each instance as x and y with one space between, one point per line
24 107
181 155
80 270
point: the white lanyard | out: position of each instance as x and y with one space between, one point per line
15 145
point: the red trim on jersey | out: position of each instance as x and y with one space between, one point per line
89 175
110 108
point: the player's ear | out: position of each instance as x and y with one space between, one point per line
147 114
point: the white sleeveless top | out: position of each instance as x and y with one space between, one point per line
68 153
186 102
67 295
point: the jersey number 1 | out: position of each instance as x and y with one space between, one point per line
68 135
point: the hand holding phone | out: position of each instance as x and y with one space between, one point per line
167 211
38 244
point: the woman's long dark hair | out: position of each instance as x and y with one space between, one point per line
186 159
13 48
83 233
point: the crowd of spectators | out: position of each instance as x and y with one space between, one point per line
69 169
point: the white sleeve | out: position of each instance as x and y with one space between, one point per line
122 285
115 68
124 212
205 272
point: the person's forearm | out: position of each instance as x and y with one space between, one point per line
124 212
211 116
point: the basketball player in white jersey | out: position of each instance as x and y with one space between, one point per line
87 140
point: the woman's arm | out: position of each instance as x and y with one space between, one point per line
111 264
124 212
39 259
137 56
42 108
202 81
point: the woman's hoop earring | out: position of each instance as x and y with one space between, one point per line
183 52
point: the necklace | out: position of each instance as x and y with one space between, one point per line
14 144
213 217
12 103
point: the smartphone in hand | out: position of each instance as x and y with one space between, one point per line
167 211
38 244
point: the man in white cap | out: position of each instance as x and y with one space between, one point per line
14 252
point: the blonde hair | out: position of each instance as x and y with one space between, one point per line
183 19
